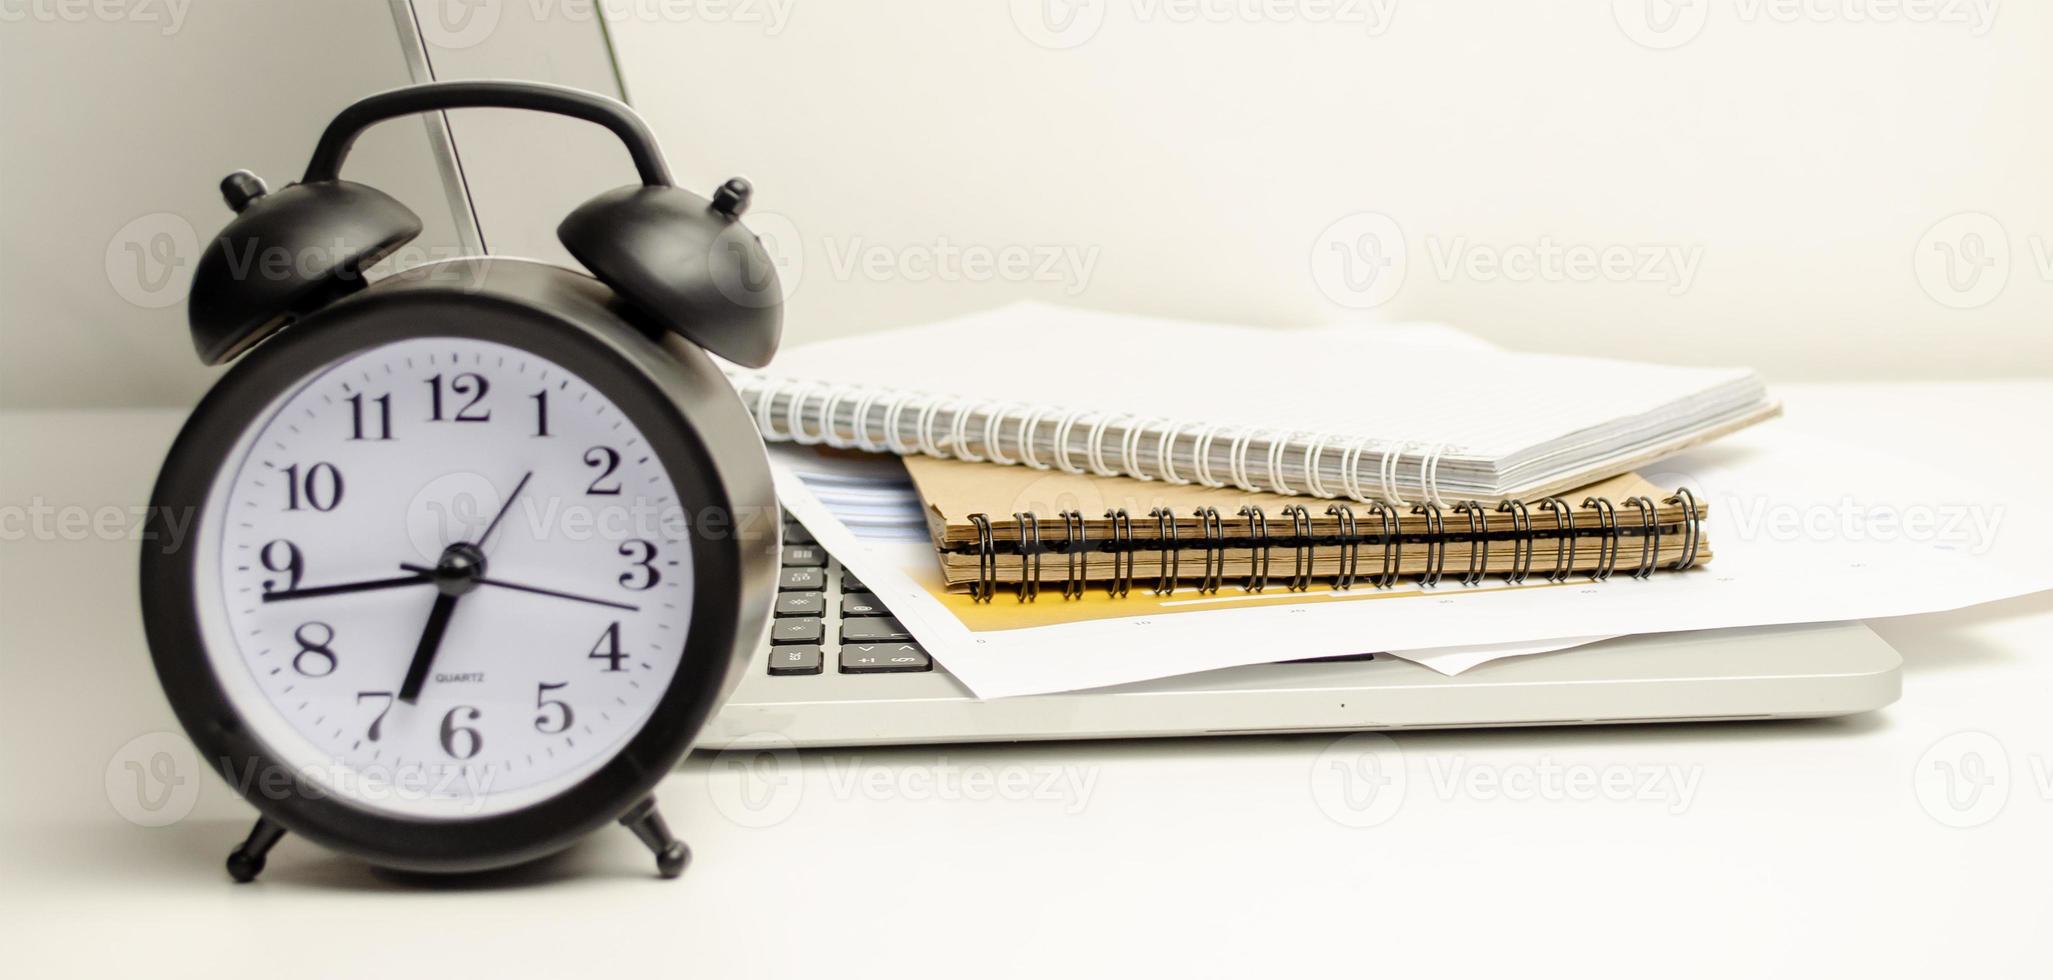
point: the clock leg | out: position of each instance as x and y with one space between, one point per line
647 824
247 860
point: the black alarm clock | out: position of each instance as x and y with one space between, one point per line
469 554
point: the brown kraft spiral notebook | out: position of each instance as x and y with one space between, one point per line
1018 529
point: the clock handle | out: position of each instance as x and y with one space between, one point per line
647 824
350 123
247 860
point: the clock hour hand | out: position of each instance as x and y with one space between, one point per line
424 652
456 574
315 592
520 587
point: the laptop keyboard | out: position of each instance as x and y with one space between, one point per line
825 619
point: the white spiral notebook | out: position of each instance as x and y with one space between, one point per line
1364 412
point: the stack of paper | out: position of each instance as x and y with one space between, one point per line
1247 434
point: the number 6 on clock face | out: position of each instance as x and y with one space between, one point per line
470 490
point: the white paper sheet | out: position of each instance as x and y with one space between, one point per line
1803 530
1453 660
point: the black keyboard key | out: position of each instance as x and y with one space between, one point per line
802 604
795 533
880 629
885 658
862 604
798 631
805 556
849 583
785 661
801 580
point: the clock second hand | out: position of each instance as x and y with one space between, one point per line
504 508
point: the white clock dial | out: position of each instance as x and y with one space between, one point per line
540 647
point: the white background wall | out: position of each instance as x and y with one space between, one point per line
114 134
1201 153
1226 159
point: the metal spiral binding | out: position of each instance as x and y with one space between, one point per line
1393 556
1478 542
1301 559
958 431
810 412
1607 543
1351 558
1276 448
1172 556
994 430
862 423
1436 544
1650 536
1259 542
1074 551
798 410
829 432
986 584
1692 528
1029 551
1129 447
1215 549
1564 539
1094 445
1121 547
1521 541
1029 431
894 427
924 423
1610 532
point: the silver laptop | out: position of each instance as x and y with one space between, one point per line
819 680
839 670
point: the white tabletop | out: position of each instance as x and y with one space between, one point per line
1764 847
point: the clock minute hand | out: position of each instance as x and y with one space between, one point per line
315 592
537 590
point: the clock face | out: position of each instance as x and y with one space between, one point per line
444 578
